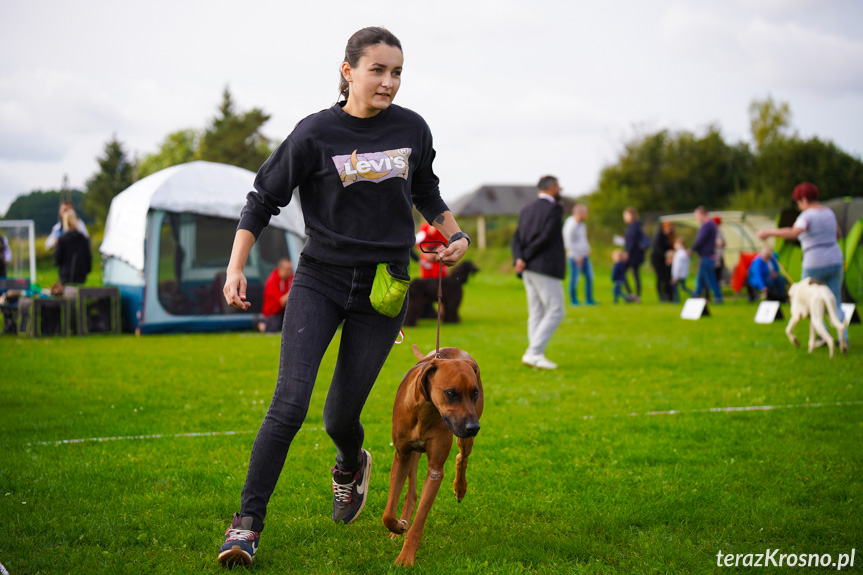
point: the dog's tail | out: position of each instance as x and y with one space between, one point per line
834 318
417 352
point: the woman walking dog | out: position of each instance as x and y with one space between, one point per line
359 166
818 232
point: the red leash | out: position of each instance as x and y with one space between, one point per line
439 286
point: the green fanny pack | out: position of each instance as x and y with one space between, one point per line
389 289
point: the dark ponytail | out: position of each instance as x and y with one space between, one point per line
357 45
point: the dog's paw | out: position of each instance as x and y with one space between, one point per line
396 526
406 558
460 489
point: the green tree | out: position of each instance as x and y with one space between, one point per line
42 207
668 171
769 121
114 176
177 148
235 137
784 163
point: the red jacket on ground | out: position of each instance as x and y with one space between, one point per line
274 289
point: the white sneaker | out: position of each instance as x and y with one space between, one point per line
529 359
542 362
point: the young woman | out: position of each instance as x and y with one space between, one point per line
359 167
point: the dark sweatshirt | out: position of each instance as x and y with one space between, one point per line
538 240
705 240
357 179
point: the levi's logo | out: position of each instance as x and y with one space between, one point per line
373 166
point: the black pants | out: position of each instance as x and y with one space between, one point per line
323 296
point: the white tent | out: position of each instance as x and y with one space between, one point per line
167 242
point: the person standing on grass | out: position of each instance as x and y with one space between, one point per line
73 255
578 254
818 232
537 248
359 165
57 230
705 246
663 242
635 246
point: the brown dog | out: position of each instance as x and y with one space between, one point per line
438 398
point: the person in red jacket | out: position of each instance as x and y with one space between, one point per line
276 296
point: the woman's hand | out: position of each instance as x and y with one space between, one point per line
235 290
451 255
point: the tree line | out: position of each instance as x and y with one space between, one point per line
664 171
669 171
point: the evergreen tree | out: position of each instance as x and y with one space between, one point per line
235 138
177 148
115 175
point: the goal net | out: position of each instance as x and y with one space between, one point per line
18 251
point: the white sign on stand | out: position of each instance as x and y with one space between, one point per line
694 308
848 310
767 311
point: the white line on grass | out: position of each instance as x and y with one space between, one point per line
668 412
152 436
742 408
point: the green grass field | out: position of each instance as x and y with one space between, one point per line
571 472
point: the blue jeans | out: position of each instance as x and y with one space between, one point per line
831 276
323 296
707 275
575 269
619 287
680 285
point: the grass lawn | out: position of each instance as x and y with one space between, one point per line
571 473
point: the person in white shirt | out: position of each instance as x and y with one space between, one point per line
57 230
680 269
578 254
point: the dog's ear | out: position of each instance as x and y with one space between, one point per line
473 365
425 376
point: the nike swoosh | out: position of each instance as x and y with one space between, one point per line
361 489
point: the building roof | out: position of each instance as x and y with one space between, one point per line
494 200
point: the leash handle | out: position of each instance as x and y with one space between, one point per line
433 250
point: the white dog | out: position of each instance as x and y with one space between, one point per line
814 299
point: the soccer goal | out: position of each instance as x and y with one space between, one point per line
20 250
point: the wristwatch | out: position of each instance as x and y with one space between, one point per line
459 235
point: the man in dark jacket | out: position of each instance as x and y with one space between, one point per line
705 246
537 248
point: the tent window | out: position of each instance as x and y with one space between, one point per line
213 240
273 246
193 254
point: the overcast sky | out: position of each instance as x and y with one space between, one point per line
511 89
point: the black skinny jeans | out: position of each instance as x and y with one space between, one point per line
322 297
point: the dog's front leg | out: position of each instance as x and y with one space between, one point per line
411 495
465 446
436 459
401 467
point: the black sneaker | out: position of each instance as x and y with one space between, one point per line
350 490
240 543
